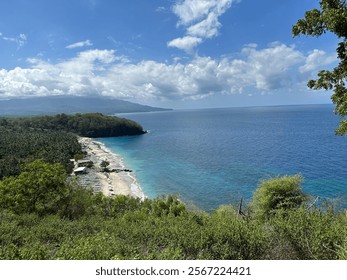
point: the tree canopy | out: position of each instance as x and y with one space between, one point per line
53 138
332 17
88 125
40 188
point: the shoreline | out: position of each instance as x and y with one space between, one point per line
117 181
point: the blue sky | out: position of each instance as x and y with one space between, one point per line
170 53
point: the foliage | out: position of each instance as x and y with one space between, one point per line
314 234
88 125
137 233
41 188
231 237
53 138
281 193
331 17
95 226
44 216
342 252
19 145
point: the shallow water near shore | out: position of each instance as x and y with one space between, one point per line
212 157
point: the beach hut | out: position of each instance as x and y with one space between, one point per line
80 170
85 163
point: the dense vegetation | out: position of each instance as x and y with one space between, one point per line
88 125
331 17
53 138
21 144
45 216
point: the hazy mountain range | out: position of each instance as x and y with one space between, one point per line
70 105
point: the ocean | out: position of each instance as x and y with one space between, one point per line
211 157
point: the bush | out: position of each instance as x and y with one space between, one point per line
316 234
41 188
233 237
280 193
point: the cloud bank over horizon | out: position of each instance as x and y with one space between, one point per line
104 73
177 53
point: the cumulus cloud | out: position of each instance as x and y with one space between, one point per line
190 11
186 43
317 59
200 19
270 67
102 72
82 44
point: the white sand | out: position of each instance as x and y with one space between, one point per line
111 183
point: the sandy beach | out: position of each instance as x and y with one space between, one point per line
118 180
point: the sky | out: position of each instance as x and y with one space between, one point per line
167 53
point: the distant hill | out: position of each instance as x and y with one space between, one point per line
70 105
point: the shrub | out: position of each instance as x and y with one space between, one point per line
312 234
232 237
278 193
41 188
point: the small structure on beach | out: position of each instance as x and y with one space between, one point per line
84 163
80 170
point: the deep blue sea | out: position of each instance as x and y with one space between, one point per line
211 157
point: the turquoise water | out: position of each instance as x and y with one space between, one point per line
216 156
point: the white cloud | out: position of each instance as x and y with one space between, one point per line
102 72
317 59
186 43
206 28
20 40
190 11
104 56
270 67
200 18
81 44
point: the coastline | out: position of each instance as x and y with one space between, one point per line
118 181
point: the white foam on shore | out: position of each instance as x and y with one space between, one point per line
134 186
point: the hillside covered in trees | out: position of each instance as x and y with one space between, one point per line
54 138
88 125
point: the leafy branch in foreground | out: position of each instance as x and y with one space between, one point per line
331 17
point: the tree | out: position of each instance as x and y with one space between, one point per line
41 188
280 193
331 17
